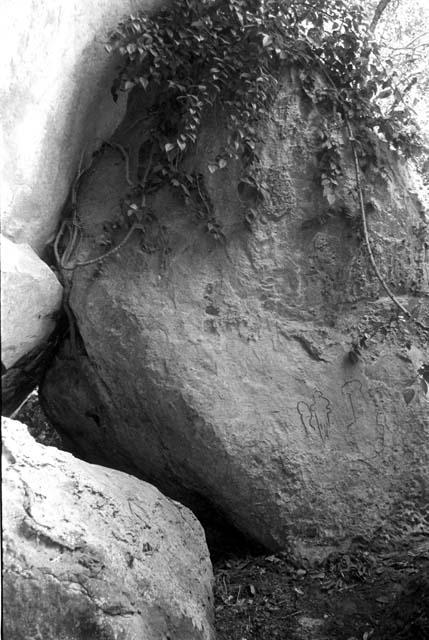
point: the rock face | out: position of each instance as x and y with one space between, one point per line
30 296
219 369
91 553
55 103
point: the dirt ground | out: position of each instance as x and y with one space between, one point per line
376 591
354 596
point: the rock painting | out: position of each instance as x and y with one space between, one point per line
366 431
383 432
353 394
352 391
316 417
304 412
321 411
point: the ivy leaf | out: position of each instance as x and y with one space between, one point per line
231 57
384 94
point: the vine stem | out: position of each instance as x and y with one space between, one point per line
134 226
204 201
146 173
366 235
124 240
126 158
363 214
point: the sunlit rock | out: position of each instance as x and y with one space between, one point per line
30 297
89 552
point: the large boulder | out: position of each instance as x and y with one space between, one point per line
55 103
224 371
93 553
31 296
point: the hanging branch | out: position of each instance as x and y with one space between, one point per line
378 13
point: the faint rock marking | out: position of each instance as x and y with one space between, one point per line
316 417
321 411
352 390
371 437
304 412
139 512
383 432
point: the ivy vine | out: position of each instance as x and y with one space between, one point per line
198 55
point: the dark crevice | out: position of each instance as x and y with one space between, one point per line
224 540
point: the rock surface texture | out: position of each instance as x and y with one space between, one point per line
30 297
55 103
90 553
219 369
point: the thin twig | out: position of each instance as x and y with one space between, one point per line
137 121
203 199
378 13
126 157
290 615
56 243
146 173
70 248
75 184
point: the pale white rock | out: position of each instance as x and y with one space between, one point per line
30 296
55 103
89 552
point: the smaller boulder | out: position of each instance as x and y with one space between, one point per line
93 553
30 296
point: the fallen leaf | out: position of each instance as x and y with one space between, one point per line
383 599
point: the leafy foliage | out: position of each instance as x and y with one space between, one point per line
402 33
197 55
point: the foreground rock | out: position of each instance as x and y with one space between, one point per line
220 369
30 297
93 553
55 103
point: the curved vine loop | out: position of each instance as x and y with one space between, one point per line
65 258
